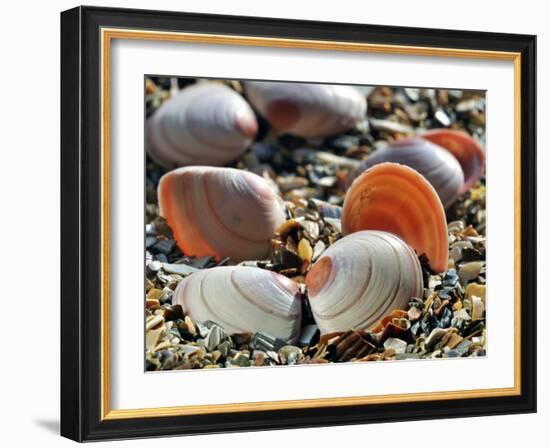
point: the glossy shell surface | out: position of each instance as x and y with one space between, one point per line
437 165
360 279
464 148
243 299
222 212
204 124
307 110
397 199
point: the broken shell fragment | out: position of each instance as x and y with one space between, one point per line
221 212
205 124
397 199
307 110
243 299
360 279
438 166
466 150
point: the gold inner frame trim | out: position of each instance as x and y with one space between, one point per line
107 35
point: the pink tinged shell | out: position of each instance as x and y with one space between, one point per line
204 124
243 299
467 151
221 212
437 165
362 278
307 110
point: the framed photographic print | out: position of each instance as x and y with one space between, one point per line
275 224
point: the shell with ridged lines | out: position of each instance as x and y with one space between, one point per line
243 299
360 279
204 124
307 110
221 212
464 148
437 165
398 199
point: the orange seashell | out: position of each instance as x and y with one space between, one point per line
466 150
221 212
397 199
437 165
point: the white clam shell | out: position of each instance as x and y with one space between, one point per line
307 110
243 299
204 124
362 278
222 212
437 165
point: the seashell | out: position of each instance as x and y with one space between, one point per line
221 212
243 299
438 166
465 149
397 199
205 124
360 279
307 110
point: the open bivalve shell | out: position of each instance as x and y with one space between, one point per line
437 165
360 279
465 149
243 299
307 110
221 212
397 199
204 124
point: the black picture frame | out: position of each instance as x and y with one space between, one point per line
81 223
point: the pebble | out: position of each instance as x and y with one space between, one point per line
469 271
180 269
390 126
398 345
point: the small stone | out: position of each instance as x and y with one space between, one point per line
305 252
463 347
259 357
290 355
152 337
172 312
413 94
190 326
152 304
311 230
475 289
163 246
434 337
442 117
242 359
469 271
414 313
224 348
180 269
153 321
318 250
215 336
455 226
478 309
153 267
150 241
190 349
390 126
397 345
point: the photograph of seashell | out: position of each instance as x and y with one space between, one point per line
291 223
